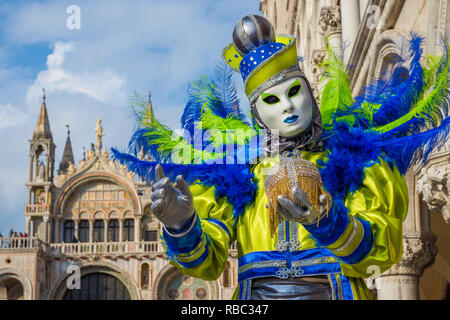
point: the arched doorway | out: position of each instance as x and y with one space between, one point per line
173 285
15 285
11 289
98 286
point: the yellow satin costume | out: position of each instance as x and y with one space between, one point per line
381 201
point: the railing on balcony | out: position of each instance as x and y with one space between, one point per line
105 248
85 248
21 243
37 208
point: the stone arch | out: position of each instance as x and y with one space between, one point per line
128 215
198 288
99 215
59 289
113 214
385 50
73 184
14 275
85 215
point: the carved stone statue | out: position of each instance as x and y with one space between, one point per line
99 132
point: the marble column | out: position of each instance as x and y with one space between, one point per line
105 234
331 26
137 229
76 231
27 228
331 29
32 228
350 25
46 229
91 231
29 194
401 282
57 230
120 230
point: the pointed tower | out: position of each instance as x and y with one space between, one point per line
141 154
149 104
40 182
67 157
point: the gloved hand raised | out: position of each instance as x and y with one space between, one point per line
171 204
302 210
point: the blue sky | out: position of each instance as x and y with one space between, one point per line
121 47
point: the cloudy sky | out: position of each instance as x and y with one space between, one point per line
121 47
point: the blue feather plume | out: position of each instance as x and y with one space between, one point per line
224 177
225 91
393 93
416 148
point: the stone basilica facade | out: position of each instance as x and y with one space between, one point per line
91 223
367 33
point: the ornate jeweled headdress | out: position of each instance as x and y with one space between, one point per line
262 58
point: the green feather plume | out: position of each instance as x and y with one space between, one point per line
229 130
336 94
169 144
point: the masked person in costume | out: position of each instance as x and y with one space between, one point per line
321 202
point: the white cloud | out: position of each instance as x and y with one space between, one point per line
122 46
11 116
102 86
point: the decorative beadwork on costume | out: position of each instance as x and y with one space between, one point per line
282 243
280 180
282 263
294 272
294 243
255 57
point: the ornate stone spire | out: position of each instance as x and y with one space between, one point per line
149 104
67 157
42 130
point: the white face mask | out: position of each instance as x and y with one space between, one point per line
286 107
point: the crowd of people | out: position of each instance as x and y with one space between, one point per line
10 241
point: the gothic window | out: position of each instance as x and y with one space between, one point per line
99 231
113 230
69 231
227 275
151 235
128 230
83 231
145 275
98 286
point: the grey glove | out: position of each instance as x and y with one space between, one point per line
171 204
302 210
